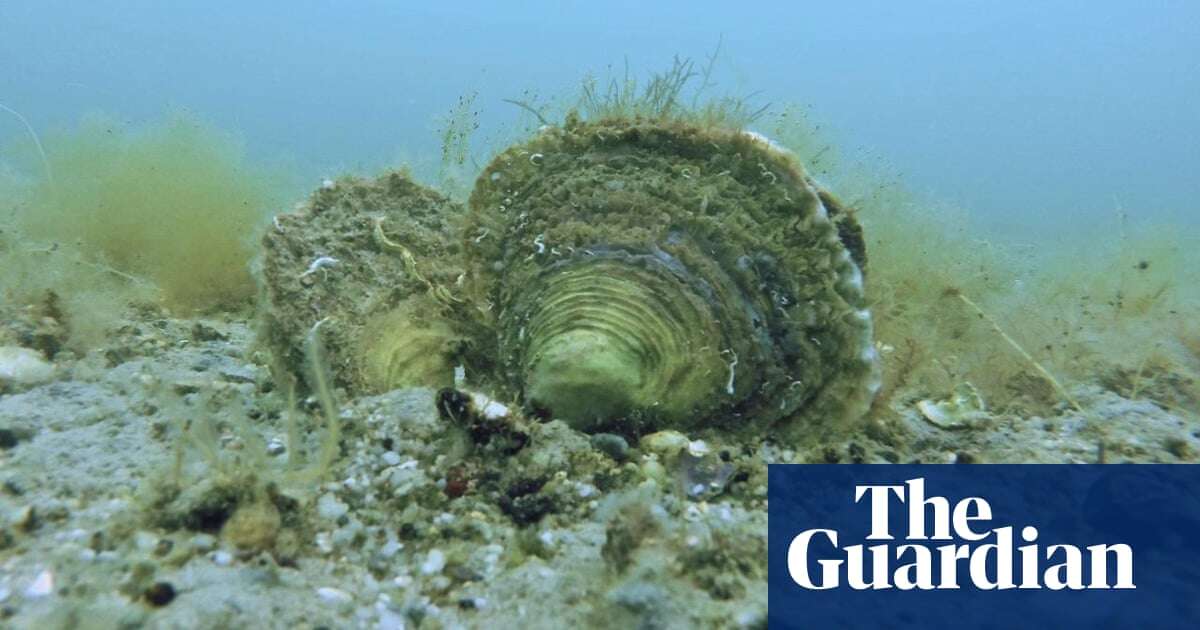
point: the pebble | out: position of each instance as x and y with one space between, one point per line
276 447
222 558
391 458
434 562
23 366
390 548
238 375
203 542
665 443
612 445
388 620
329 507
334 596
41 586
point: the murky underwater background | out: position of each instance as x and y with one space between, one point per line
1025 173
1030 115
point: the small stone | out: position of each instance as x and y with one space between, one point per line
22 366
238 375
390 548
329 507
612 445
434 562
665 443
332 595
203 542
276 447
222 558
8 438
391 458
26 519
41 586
159 594
472 603
204 332
185 387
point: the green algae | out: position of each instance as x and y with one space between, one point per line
173 203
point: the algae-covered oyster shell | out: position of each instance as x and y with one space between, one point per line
375 260
646 274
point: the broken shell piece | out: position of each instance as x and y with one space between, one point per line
487 408
41 586
964 409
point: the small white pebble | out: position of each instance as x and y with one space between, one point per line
326 184
203 542
222 558
388 620
4 594
23 366
333 596
402 581
391 458
329 507
547 538
41 586
495 411
390 548
434 562
276 447
698 448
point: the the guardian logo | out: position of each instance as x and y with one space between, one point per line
948 546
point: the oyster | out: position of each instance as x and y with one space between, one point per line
372 259
647 274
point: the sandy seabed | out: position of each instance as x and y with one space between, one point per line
113 518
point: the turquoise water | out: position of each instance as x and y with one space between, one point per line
1031 115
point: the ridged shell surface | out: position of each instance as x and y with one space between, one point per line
644 274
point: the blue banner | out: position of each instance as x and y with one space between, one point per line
987 546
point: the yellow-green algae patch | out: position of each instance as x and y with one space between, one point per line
173 204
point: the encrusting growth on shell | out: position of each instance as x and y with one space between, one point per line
688 277
625 275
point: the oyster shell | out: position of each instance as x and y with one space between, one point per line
647 274
373 259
